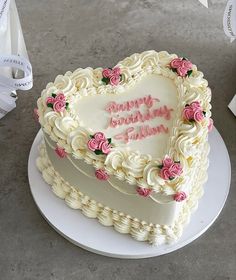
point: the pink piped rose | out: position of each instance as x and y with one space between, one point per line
105 147
210 125
106 73
170 169
99 136
59 106
187 64
181 66
116 71
57 102
143 191
50 100
111 76
196 105
114 80
188 113
167 162
182 71
193 112
99 144
92 144
101 174
176 62
180 196
60 97
60 152
198 115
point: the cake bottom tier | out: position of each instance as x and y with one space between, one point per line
155 234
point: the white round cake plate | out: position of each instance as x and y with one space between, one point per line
92 236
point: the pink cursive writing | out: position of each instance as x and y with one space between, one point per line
114 107
142 132
137 116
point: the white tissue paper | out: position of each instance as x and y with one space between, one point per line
232 105
15 69
229 20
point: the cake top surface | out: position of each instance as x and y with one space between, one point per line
148 115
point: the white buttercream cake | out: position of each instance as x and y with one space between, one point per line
128 145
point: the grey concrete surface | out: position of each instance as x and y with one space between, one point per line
64 35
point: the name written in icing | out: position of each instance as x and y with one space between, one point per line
137 116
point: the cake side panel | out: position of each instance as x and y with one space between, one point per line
143 208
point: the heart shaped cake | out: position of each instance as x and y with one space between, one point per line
128 145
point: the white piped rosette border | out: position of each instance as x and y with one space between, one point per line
66 129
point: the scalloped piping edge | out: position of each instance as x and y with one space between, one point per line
154 234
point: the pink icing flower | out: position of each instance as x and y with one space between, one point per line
61 152
181 65
114 80
143 191
210 125
105 147
196 105
106 73
164 173
193 112
92 144
101 174
167 161
170 169
187 64
176 62
36 114
198 115
180 196
99 136
50 100
60 97
59 106
188 113
116 71
182 71
175 170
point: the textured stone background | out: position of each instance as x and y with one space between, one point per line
64 35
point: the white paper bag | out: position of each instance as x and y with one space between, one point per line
15 69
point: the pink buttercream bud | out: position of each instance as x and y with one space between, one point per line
175 170
59 106
167 161
170 169
188 113
180 196
210 125
176 62
187 64
105 147
60 97
198 116
164 173
114 80
182 71
181 65
106 73
99 136
60 152
116 71
50 100
92 144
196 105
101 174
143 191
